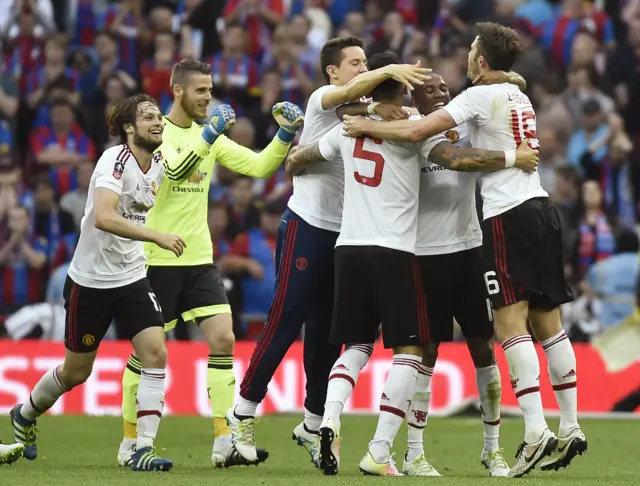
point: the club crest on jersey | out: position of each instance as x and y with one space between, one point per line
197 177
452 135
118 170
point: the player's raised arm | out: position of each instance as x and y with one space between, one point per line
327 148
364 83
245 161
475 103
386 111
107 219
179 166
478 160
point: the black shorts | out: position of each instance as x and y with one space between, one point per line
188 293
375 285
454 287
90 312
523 256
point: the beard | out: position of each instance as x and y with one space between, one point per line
189 107
144 143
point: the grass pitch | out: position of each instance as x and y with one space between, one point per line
77 450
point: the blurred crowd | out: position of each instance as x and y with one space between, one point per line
66 62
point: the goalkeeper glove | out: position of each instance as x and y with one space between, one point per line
290 117
222 118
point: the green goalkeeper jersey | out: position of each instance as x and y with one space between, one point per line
182 202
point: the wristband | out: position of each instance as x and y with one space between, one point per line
509 158
372 107
285 136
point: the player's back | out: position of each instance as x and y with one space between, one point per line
381 189
500 117
104 260
317 193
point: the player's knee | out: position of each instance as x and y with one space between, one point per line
74 374
222 342
154 355
430 354
511 320
481 351
412 350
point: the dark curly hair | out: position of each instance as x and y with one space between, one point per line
125 113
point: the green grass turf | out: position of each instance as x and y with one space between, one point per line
82 450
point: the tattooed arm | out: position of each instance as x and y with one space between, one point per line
303 158
478 160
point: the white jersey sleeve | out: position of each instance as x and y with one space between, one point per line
109 172
318 191
427 145
475 103
329 144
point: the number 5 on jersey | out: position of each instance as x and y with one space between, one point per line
359 152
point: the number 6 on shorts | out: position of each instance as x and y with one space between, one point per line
491 283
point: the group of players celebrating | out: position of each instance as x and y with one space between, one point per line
380 235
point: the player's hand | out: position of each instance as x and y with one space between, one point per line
222 118
255 269
288 115
354 126
498 77
390 112
526 157
171 242
408 74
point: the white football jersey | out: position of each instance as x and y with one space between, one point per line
317 193
447 216
103 260
499 117
381 188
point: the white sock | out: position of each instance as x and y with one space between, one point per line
418 414
524 370
149 405
397 394
562 372
44 395
343 378
312 421
245 408
490 391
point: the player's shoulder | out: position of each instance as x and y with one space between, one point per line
118 153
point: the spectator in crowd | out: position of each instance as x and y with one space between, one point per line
23 259
11 190
48 221
551 157
252 258
551 111
156 72
75 201
235 74
590 139
62 147
610 284
218 220
126 23
583 86
596 240
242 210
298 77
258 18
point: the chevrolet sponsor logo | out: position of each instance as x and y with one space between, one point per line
197 177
